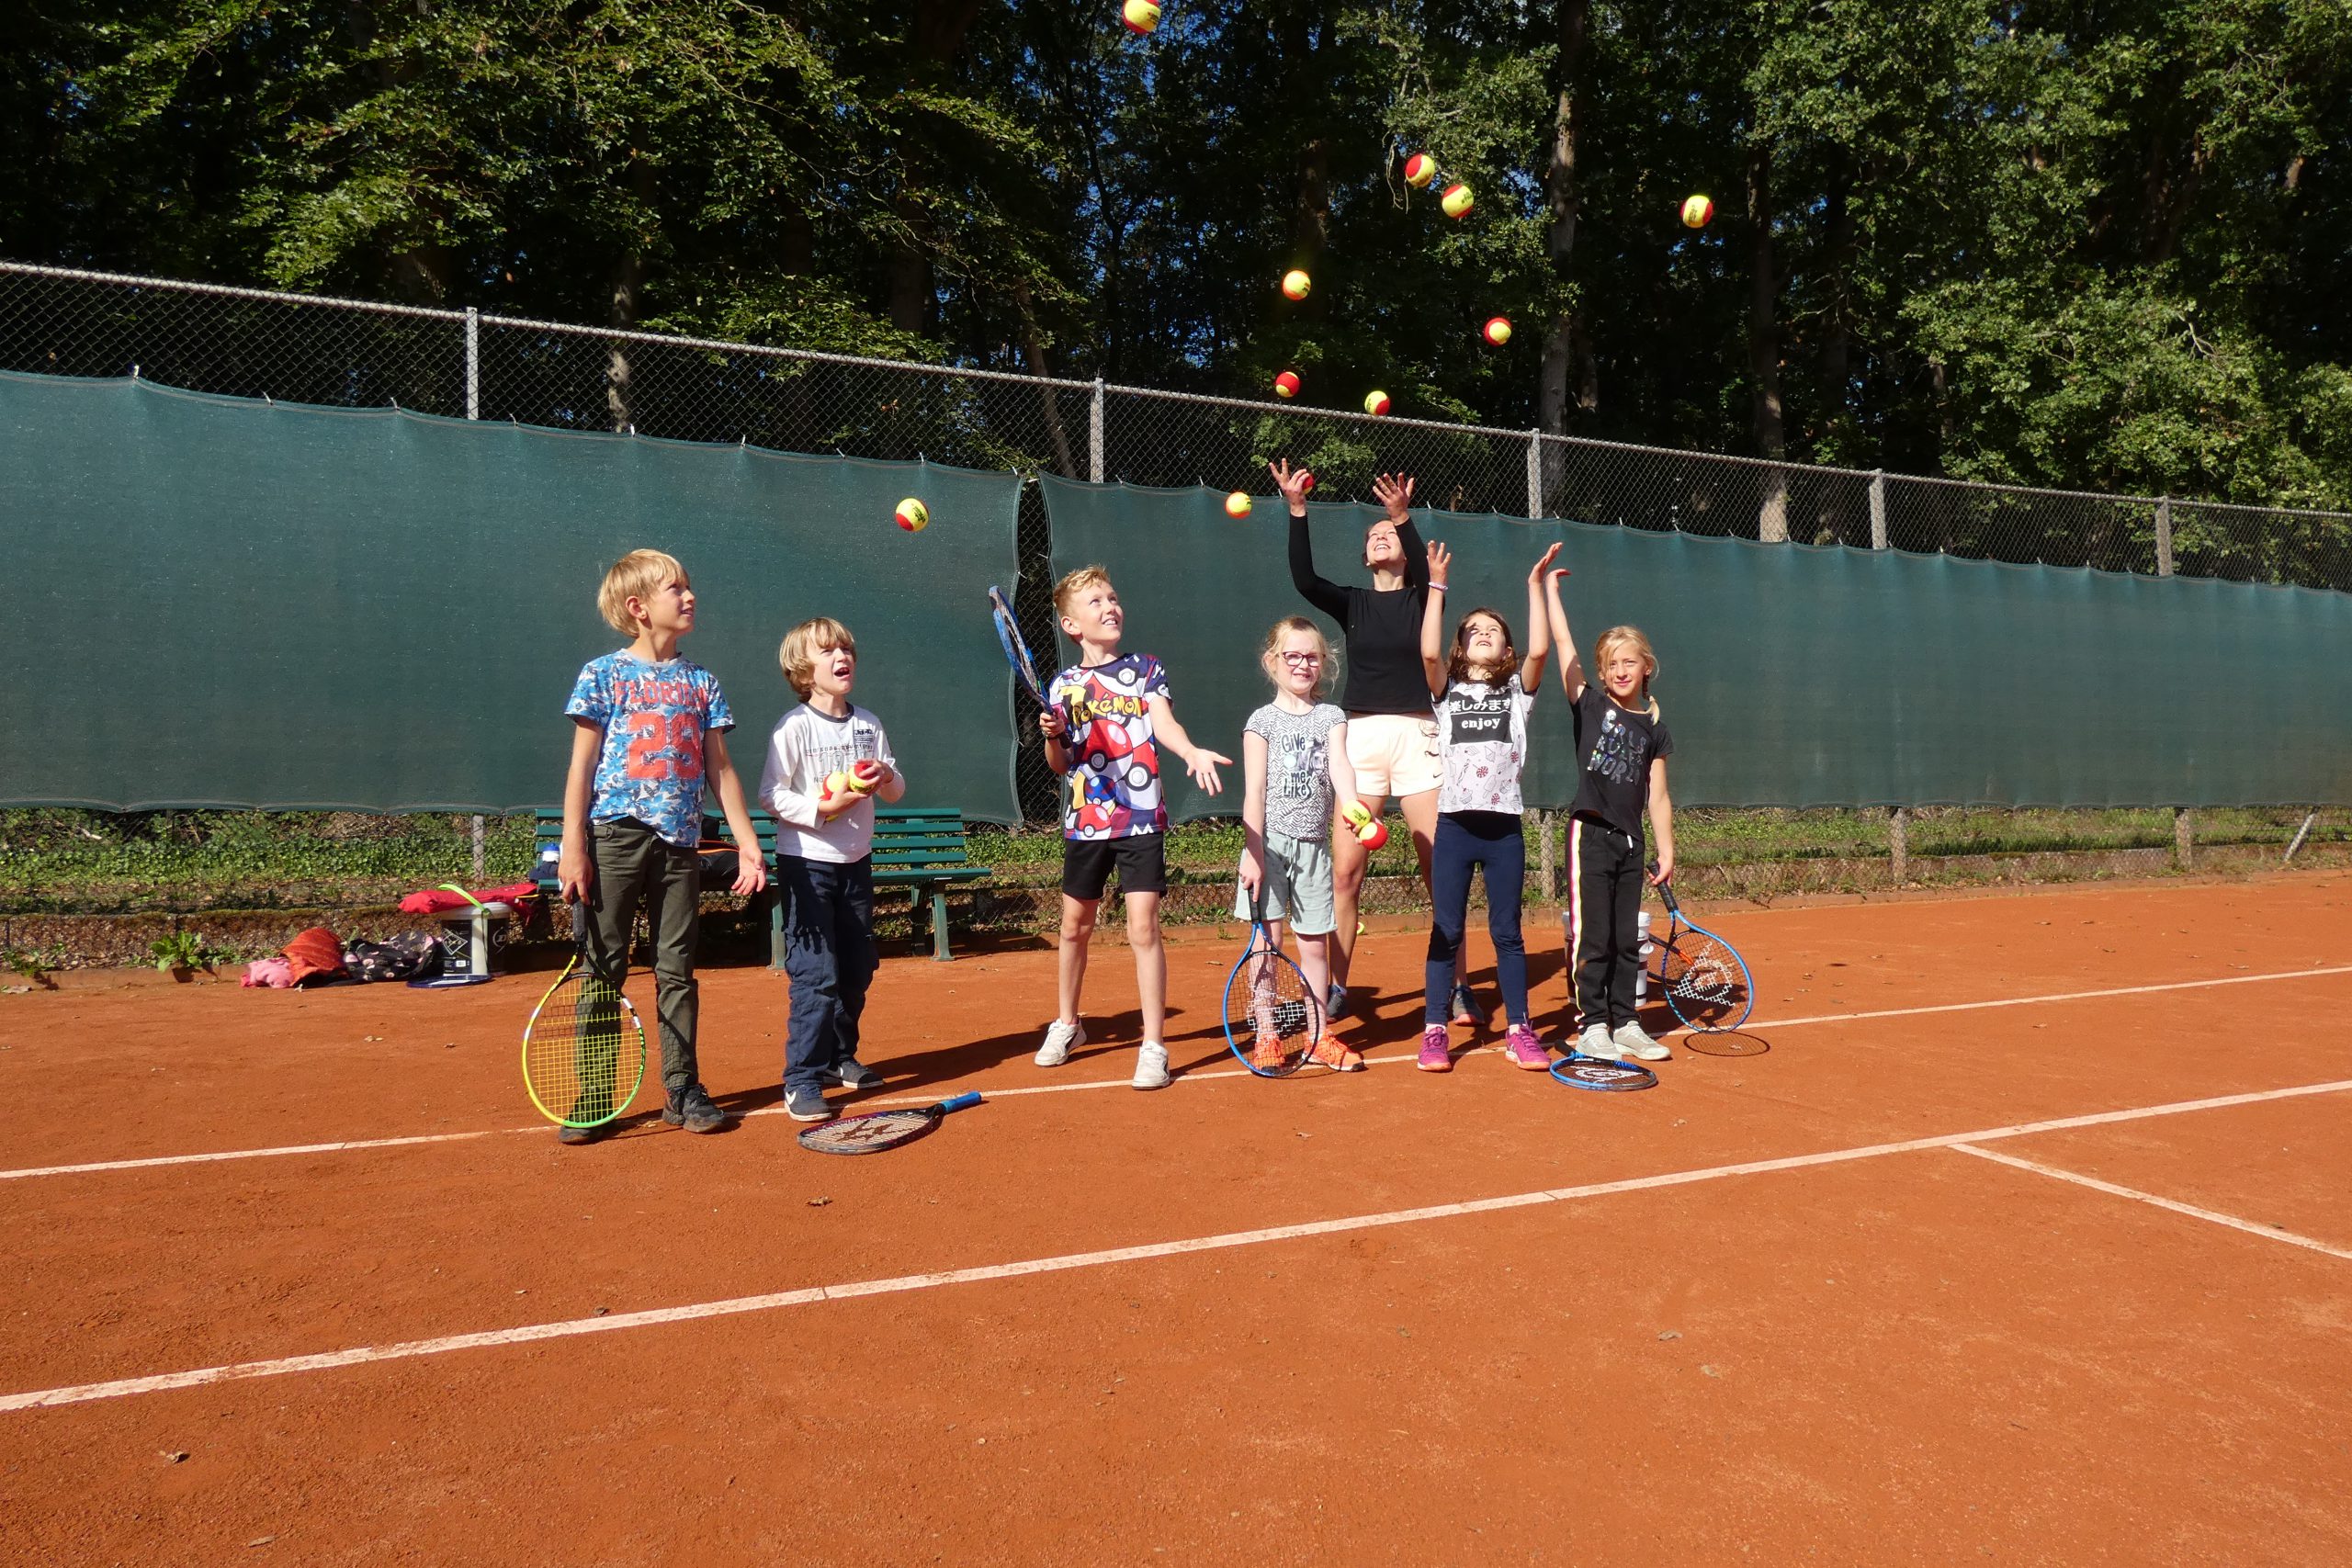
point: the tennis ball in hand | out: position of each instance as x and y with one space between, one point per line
1496 330
1457 201
1376 402
837 783
864 775
1141 15
1237 504
1296 284
1374 834
914 515
1696 211
1419 170
1286 384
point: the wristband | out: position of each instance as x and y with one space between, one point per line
1439 586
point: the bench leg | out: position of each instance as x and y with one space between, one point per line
939 925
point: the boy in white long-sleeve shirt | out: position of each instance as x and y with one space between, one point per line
824 838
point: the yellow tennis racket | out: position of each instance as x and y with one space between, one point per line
584 1051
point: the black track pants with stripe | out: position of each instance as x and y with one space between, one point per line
1604 907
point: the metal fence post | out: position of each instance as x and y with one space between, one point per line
1546 822
1094 435
2301 833
1898 845
1878 509
1535 477
2184 837
473 363
2164 537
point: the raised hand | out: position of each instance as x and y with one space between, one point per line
1442 560
1293 482
1535 574
1395 491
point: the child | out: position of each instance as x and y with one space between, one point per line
824 838
648 728
1621 746
1105 719
1484 691
1294 761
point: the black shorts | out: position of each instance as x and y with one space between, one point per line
1142 860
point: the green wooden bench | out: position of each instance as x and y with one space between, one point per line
916 847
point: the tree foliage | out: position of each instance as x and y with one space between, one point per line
2048 240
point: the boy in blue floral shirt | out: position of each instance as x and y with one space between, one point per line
649 726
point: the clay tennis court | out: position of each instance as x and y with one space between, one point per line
2029 1238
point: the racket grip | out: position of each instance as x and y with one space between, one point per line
963 1101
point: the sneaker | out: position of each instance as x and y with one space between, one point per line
851 1073
1328 1050
1061 1040
1595 1043
1335 1004
1268 1053
1524 1050
807 1105
691 1108
1632 1041
1151 1066
1465 1007
1436 1057
595 1134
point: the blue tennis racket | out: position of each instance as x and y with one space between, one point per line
1601 1073
1273 1017
879 1130
1704 978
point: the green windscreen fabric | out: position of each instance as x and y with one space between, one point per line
229 602
1793 675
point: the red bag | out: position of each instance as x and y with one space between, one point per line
314 954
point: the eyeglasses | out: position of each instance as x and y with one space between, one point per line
1302 660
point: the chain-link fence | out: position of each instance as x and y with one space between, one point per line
466 364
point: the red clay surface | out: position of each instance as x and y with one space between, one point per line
1919 1355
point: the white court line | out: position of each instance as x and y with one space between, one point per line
1196 1074
2271 1233
530 1332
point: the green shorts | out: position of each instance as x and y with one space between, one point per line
1298 886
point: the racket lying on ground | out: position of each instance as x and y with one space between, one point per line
879 1130
1601 1073
584 1051
1704 978
1273 1017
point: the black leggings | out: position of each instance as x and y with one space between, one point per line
1605 905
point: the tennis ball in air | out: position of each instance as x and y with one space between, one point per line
1696 211
1376 402
1237 504
1496 330
1419 170
1141 15
1457 201
1296 284
914 515
1286 384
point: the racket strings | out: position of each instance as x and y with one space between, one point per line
574 1054
1270 1017
1700 970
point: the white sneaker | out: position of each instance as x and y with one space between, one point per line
1151 1066
1632 1040
1595 1041
1059 1038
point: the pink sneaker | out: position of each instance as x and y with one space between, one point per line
1524 1050
1435 1057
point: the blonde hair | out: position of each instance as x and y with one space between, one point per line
1270 656
1629 636
1457 664
801 645
1076 582
637 575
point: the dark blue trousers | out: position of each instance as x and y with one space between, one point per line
829 956
1467 842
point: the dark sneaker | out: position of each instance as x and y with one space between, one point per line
595 1134
851 1073
691 1108
807 1105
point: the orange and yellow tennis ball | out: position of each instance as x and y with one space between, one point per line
1376 402
1696 211
914 515
1419 170
1457 201
1237 504
1286 384
1141 15
1296 284
1496 330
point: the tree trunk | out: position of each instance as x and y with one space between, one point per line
1568 372
1310 227
935 39
1032 358
1764 346
627 303
1836 346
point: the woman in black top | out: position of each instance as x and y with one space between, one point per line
1392 734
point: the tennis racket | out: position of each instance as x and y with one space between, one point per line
879 1130
1601 1073
1273 1017
1016 650
1703 977
584 1051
